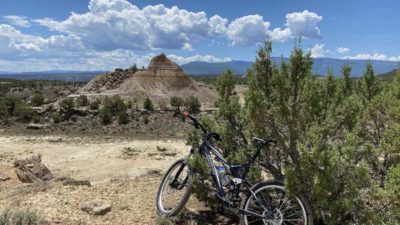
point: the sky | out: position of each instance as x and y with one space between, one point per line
105 34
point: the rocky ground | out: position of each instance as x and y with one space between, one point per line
123 172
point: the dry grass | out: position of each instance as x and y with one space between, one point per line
21 217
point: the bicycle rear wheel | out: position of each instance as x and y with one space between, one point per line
286 209
175 189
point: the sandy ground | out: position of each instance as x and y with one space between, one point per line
99 159
128 182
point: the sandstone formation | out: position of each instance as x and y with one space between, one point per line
161 80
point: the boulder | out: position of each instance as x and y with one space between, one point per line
96 207
32 170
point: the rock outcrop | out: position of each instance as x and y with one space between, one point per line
32 170
161 80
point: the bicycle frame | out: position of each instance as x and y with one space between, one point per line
207 150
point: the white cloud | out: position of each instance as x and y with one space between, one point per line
187 47
17 20
121 24
318 50
375 56
343 50
202 58
248 30
218 25
280 35
304 24
13 42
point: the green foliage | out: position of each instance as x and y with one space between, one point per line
67 107
133 68
24 113
81 101
10 103
3 109
192 104
105 115
37 99
56 117
20 217
94 105
123 118
115 104
148 104
129 104
176 102
146 120
338 142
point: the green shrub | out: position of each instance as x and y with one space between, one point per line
148 104
129 104
176 102
3 109
37 99
146 120
56 117
81 101
115 104
11 102
67 107
24 113
105 115
94 105
192 104
21 217
123 118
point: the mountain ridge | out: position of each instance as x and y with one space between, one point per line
320 66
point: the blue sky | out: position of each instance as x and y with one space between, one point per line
104 34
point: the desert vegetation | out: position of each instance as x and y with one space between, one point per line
338 138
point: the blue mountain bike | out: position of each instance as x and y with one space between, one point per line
263 203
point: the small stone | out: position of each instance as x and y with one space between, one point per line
76 183
96 207
4 177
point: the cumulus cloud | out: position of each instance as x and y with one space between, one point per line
304 24
375 56
21 21
107 35
343 50
318 50
248 30
121 24
14 42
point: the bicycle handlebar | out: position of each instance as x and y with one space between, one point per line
198 125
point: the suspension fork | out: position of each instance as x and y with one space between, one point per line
174 183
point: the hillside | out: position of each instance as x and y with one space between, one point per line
388 76
320 66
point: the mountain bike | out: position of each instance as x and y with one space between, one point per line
263 203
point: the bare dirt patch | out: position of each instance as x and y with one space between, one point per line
129 184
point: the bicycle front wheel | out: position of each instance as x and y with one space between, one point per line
175 189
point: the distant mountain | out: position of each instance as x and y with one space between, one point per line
205 68
320 66
52 75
